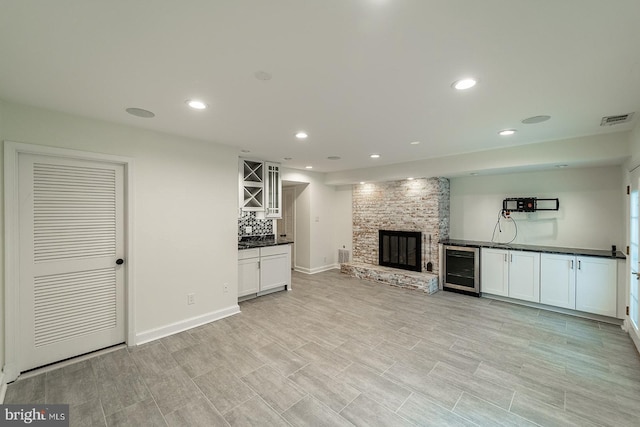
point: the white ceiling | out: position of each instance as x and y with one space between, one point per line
360 76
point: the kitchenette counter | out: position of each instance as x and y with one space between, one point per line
250 242
535 248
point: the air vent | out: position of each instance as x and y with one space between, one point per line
615 120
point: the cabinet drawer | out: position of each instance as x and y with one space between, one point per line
248 253
274 250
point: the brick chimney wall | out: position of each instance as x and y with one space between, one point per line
417 205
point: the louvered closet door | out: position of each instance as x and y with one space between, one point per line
71 234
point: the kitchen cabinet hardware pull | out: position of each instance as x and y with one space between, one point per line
505 257
572 264
579 265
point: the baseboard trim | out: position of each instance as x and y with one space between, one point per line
576 313
317 269
3 387
174 328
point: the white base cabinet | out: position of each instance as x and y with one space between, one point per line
248 272
275 267
513 274
596 285
581 283
558 280
248 276
494 272
263 269
524 275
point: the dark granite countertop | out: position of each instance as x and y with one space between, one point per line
250 242
535 248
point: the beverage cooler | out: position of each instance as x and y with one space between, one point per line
461 269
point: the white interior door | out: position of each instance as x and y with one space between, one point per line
71 290
634 240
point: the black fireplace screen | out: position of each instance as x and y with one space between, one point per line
400 249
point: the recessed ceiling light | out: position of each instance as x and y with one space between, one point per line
464 84
410 179
562 166
362 182
308 167
139 112
196 104
507 132
301 135
375 156
474 174
415 143
535 119
333 157
288 158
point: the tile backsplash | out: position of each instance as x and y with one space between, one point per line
259 227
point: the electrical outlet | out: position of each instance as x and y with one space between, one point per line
191 299
226 288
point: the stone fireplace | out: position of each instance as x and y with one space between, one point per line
419 205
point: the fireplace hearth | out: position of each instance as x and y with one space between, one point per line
400 249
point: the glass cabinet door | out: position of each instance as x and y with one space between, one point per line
273 190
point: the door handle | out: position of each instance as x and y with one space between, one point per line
572 264
119 261
636 274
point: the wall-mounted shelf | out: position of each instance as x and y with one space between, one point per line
530 204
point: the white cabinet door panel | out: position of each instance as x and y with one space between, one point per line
494 272
524 275
596 285
248 276
273 271
558 280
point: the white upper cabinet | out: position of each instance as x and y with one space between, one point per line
273 191
251 174
260 187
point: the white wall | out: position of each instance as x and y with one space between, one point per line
1 246
185 209
343 214
323 218
634 146
591 207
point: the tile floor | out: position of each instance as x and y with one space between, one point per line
339 351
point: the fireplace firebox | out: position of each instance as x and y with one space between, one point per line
400 249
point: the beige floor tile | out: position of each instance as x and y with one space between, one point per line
366 412
277 390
